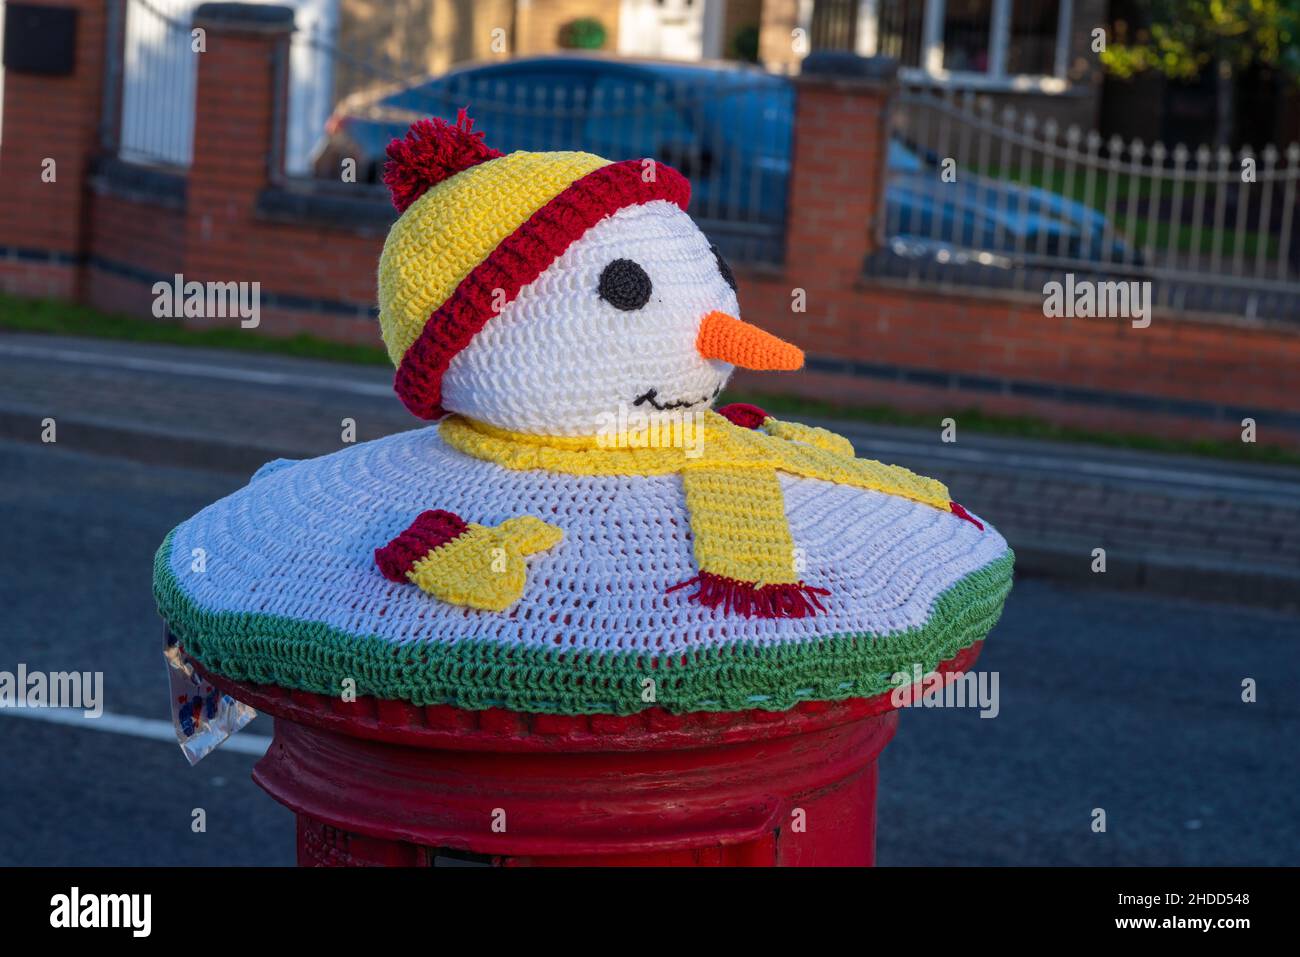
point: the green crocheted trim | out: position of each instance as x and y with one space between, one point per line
311 656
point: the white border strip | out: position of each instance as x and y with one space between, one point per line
130 725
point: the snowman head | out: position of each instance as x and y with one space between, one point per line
545 292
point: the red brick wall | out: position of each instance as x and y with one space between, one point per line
225 239
836 190
56 118
836 196
132 237
1231 364
960 333
1004 341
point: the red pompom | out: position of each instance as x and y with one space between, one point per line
432 151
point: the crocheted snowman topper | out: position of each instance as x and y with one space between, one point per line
532 294
642 309
511 555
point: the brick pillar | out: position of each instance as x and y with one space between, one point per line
836 206
837 178
235 136
43 225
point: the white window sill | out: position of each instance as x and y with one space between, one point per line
1053 85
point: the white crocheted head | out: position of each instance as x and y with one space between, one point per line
552 293
614 322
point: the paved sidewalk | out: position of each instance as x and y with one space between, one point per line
1175 524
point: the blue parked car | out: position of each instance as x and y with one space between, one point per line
728 128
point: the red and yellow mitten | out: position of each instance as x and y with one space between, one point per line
463 563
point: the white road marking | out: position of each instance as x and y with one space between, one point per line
152 728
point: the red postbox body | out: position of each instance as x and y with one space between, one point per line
377 782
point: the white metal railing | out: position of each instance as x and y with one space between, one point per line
153 70
158 67
978 195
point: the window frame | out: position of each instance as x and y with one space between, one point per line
931 72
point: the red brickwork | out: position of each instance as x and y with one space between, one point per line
103 247
50 117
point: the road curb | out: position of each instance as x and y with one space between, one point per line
140 445
1160 574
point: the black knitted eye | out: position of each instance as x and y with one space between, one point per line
728 276
625 285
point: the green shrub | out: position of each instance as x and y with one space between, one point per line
585 33
744 45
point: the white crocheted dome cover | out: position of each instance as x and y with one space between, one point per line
296 548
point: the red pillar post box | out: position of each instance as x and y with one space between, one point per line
289 580
386 783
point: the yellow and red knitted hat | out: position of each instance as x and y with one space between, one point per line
476 226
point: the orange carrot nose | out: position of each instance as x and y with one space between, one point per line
729 339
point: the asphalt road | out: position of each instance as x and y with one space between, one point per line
1112 700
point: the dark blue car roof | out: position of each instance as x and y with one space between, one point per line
591 68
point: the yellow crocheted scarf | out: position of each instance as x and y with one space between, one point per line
743 547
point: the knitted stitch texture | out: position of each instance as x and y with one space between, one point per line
737 515
747 345
469 565
743 546
726 443
435 243
469 245
559 358
511 559
429 531
290 593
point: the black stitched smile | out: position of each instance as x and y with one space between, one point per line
652 396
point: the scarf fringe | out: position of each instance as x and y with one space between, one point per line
962 513
748 599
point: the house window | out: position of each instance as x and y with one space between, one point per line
833 24
966 33
1036 31
981 43
898 32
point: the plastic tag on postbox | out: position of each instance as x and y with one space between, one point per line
202 715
